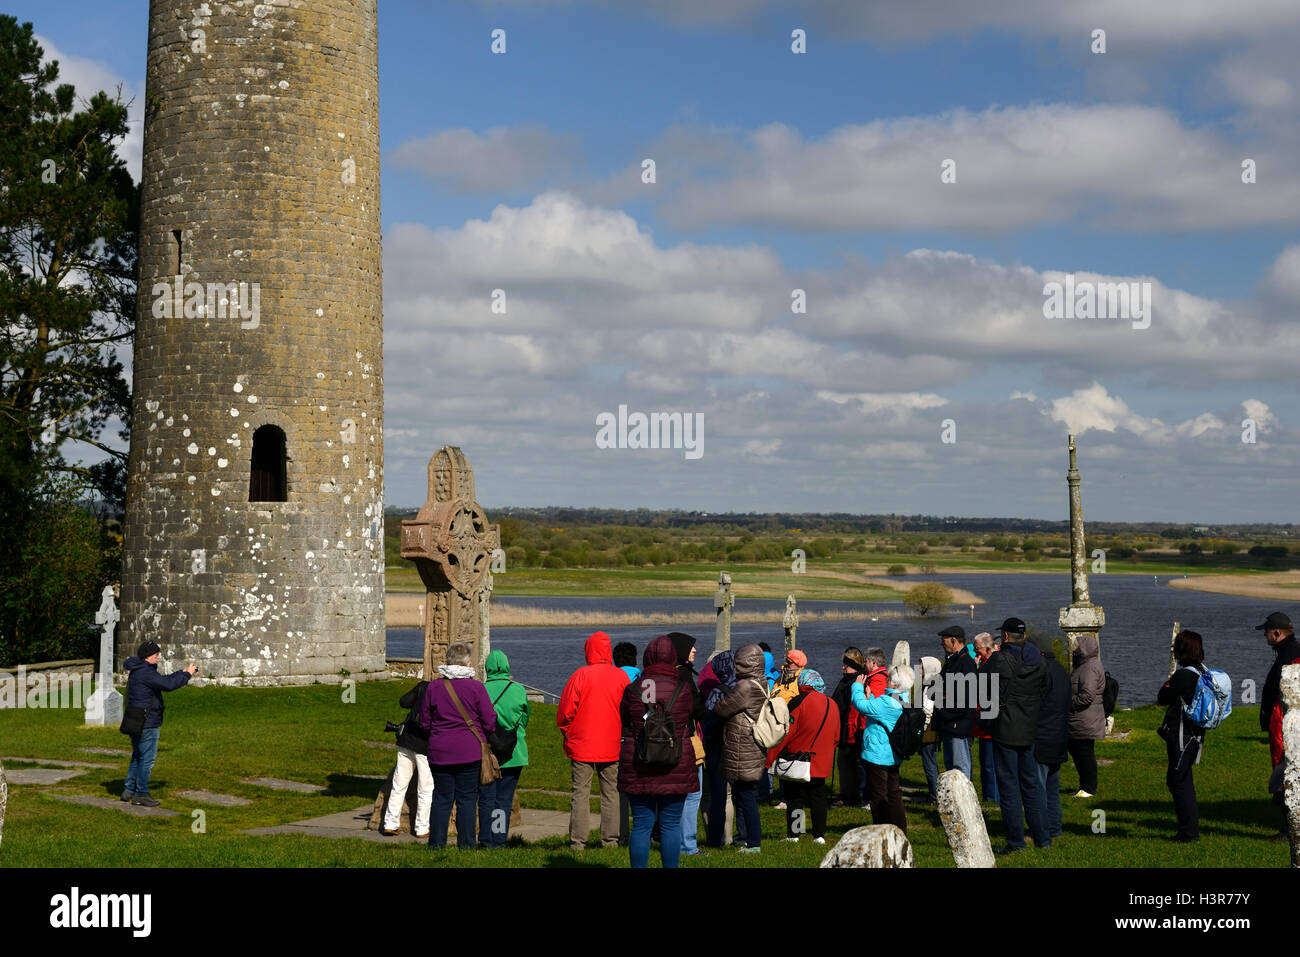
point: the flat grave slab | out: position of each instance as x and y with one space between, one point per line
57 763
40 776
115 805
280 784
211 797
122 751
536 825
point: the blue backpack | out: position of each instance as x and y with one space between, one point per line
1212 701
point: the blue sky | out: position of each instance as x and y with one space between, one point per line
821 171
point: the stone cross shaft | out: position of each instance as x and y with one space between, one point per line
723 602
1081 617
1290 690
104 707
790 622
451 543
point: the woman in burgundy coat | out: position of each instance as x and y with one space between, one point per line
815 728
656 792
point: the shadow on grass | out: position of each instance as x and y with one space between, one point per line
566 860
345 785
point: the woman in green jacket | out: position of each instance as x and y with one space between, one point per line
496 799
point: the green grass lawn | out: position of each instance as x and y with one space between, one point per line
213 737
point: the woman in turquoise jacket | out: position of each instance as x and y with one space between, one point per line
882 713
510 700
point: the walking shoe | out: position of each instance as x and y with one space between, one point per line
423 837
750 850
127 795
1007 849
387 833
144 801
780 806
1081 793
819 840
792 840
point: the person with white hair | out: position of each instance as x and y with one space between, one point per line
882 712
985 644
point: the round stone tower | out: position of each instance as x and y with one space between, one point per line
254 517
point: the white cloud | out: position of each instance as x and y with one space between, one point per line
501 159
89 78
1095 408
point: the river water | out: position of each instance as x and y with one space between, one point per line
1140 613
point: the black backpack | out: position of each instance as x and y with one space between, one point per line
905 737
1109 694
658 742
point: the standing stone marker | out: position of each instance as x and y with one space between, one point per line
104 707
4 800
723 601
1291 755
451 543
790 622
877 845
963 821
1081 617
902 655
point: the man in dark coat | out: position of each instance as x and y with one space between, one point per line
853 775
1022 677
1053 741
1280 635
144 690
955 721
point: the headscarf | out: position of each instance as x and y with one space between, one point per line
724 670
811 679
683 644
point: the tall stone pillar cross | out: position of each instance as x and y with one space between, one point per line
723 602
451 543
104 707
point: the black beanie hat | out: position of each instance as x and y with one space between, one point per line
146 649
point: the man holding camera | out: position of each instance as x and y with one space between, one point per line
144 691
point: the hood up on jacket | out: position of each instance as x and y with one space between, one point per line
132 663
769 666
598 649
660 655
750 662
497 665
1085 647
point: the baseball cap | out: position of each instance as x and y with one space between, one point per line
1012 626
953 631
1276 620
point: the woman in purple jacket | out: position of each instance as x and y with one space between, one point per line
455 751
657 791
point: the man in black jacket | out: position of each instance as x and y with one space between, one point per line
1053 741
958 683
144 691
1021 677
1280 635
853 776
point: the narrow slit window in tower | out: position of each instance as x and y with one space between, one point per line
176 248
268 481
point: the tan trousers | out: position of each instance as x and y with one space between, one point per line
580 809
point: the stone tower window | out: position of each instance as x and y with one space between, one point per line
268 481
177 250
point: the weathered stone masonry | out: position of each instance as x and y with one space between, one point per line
261 165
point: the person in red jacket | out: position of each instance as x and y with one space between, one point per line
588 718
657 792
815 729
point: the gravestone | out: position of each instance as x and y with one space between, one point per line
963 821
724 601
877 845
4 799
790 622
1290 690
902 655
104 707
451 543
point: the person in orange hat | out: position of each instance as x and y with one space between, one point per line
788 687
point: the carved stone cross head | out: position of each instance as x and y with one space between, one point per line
451 536
107 615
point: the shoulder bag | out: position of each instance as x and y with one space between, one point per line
502 741
489 770
797 765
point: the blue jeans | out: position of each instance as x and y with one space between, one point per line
930 761
646 810
744 795
956 754
459 783
144 751
988 771
1049 777
691 817
495 801
1022 795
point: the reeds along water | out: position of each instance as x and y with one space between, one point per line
520 616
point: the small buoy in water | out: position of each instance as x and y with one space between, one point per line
873 619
